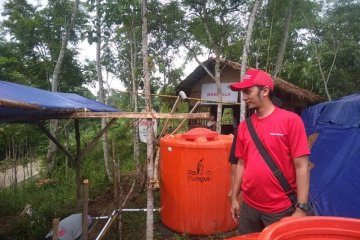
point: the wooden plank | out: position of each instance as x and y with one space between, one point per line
91 145
78 115
15 104
139 115
78 162
52 138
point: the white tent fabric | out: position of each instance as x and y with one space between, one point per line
70 228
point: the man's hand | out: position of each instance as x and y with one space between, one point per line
235 209
298 213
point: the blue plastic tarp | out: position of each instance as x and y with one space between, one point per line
334 181
340 113
47 104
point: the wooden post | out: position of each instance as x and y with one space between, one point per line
15 161
55 223
117 190
78 163
85 209
115 176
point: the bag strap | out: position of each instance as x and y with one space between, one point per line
279 175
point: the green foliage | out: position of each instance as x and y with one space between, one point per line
122 136
227 116
55 197
213 24
329 26
47 200
340 31
24 136
166 104
11 66
269 31
30 38
36 36
11 201
134 231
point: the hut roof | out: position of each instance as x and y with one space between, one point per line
280 84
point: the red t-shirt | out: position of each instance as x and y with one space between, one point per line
284 137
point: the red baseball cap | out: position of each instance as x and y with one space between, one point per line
254 77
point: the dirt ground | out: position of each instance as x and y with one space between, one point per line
103 206
133 224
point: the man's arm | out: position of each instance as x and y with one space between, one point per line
302 182
233 162
233 167
235 205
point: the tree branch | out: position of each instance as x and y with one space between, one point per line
332 64
318 59
200 63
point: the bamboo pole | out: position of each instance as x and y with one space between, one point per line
182 122
78 162
73 114
85 209
117 190
110 221
15 162
115 182
167 120
55 141
16 104
55 223
139 115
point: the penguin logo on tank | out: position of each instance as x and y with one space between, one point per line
200 174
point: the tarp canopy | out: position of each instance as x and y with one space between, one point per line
19 103
335 178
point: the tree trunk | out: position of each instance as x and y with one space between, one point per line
217 69
55 87
246 50
150 132
268 57
281 52
104 138
135 97
216 79
219 92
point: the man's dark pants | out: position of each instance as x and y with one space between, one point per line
252 220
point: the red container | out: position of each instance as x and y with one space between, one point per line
249 236
195 180
313 228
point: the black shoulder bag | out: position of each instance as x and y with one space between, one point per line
271 163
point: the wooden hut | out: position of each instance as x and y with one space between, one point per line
199 85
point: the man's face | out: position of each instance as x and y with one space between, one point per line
253 97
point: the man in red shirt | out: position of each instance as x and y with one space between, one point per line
284 137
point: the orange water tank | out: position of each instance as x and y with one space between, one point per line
195 181
313 228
